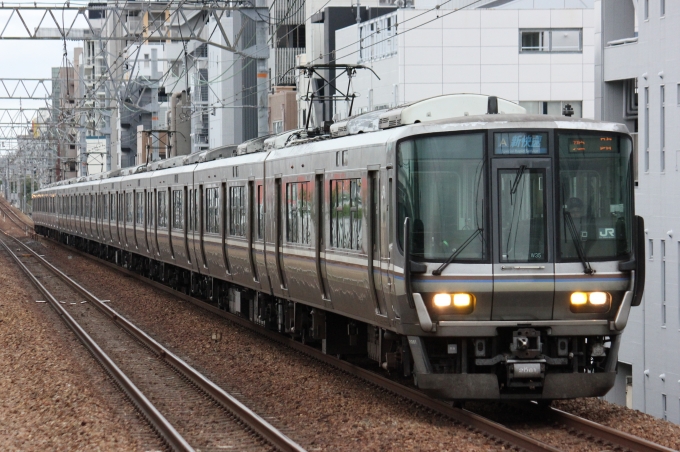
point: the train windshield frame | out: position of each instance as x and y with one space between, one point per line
441 186
594 191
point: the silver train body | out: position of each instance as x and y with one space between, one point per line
343 242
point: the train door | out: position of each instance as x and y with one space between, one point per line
278 215
374 246
201 224
224 225
320 222
524 269
252 230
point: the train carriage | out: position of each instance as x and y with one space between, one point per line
489 253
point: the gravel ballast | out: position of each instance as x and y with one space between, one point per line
54 395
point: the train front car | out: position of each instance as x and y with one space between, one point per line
522 242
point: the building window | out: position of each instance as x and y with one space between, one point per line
663 282
651 249
298 214
664 406
553 108
129 208
178 209
346 213
140 207
662 121
162 209
277 127
566 40
377 38
237 217
646 129
212 208
646 12
662 8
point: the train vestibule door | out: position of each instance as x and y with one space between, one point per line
523 256
375 251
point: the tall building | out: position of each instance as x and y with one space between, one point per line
541 58
638 83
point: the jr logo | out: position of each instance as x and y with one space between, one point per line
606 233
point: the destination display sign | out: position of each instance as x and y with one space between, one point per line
592 143
520 143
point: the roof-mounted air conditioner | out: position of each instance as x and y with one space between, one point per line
445 107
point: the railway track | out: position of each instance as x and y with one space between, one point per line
489 428
185 408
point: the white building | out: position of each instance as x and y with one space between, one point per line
638 83
541 58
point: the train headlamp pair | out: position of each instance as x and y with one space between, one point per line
590 301
454 303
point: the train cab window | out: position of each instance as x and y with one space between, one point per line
346 213
237 211
522 200
595 207
441 184
140 207
129 208
298 212
162 209
212 210
178 209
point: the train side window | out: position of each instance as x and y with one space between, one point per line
177 209
113 207
149 208
162 209
260 211
338 158
212 209
105 207
298 212
129 208
346 211
237 212
140 207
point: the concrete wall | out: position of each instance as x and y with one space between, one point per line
477 51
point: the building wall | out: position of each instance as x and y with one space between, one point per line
477 51
650 342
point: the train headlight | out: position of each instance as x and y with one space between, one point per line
462 300
590 302
442 300
579 298
598 298
453 303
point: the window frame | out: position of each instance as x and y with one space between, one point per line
550 32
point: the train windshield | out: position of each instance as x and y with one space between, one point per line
441 182
594 186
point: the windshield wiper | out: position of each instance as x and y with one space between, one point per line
441 268
569 221
518 177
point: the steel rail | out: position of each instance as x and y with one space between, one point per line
623 439
159 423
259 425
488 427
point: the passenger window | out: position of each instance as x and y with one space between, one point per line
212 200
162 209
298 202
346 212
237 217
177 209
